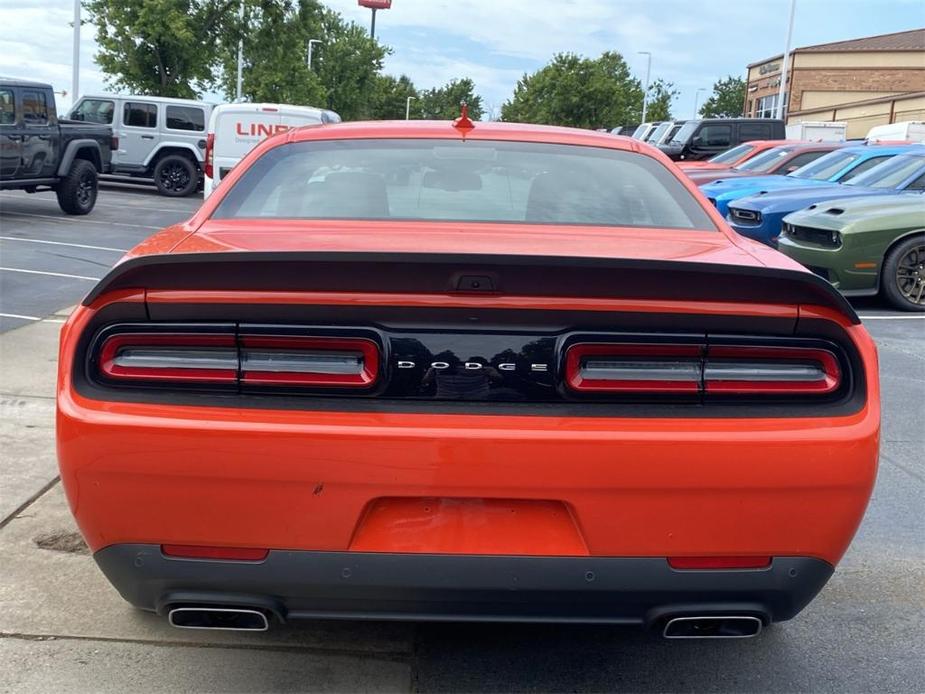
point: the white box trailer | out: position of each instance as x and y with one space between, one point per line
905 131
235 129
817 131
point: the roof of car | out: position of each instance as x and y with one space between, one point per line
17 82
144 97
481 130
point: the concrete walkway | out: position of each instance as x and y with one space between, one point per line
63 628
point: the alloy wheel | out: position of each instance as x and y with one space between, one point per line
910 275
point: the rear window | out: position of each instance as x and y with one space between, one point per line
453 180
186 118
825 167
732 155
765 161
140 115
890 173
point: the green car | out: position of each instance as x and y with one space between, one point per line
864 246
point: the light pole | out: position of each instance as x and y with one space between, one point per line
645 93
75 74
697 99
311 44
240 52
408 107
783 68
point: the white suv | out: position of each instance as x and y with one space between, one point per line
158 137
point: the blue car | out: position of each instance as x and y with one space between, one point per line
837 167
760 217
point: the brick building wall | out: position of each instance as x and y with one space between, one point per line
877 81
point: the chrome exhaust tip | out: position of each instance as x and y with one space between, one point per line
713 627
218 619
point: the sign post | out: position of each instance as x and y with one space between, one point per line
374 6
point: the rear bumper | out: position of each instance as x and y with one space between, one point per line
359 585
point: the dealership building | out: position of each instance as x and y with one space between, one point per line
862 82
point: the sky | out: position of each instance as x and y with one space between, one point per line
494 42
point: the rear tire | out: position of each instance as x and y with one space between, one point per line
176 176
77 190
903 274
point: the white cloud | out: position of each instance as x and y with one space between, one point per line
494 42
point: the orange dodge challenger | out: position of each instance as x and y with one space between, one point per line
465 371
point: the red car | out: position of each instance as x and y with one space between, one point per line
780 160
732 157
460 371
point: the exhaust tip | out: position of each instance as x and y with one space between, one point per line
218 618
714 627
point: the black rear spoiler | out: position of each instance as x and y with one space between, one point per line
432 273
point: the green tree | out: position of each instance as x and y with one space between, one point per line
389 95
727 99
345 66
661 94
158 47
443 103
576 91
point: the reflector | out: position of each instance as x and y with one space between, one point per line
227 553
687 563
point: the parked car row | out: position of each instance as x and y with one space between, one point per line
172 141
852 213
39 151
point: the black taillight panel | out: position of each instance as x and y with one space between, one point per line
469 368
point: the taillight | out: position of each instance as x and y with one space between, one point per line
714 370
186 358
309 361
770 371
114 143
633 368
225 357
209 155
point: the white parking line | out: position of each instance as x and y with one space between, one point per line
51 274
127 205
71 220
32 318
62 243
919 316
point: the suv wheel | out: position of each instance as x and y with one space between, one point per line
904 275
176 176
76 190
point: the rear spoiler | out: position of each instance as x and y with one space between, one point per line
436 273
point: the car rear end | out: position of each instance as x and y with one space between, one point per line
561 422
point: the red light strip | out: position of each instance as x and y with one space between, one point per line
366 351
830 370
775 370
576 361
116 344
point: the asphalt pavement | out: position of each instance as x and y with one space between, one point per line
63 628
49 260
